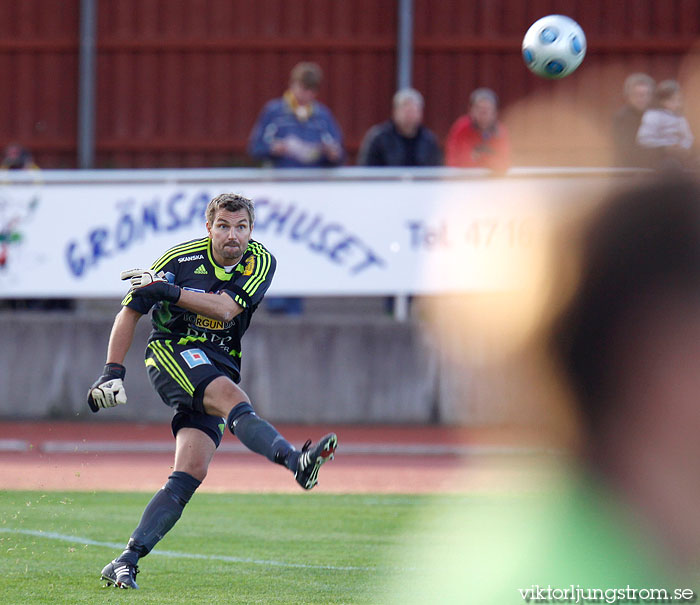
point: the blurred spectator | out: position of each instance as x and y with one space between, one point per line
627 342
638 92
479 140
16 157
296 131
622 334
665 131
402 140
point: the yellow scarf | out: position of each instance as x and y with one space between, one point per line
302 112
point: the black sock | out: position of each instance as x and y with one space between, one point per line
160 515
259 436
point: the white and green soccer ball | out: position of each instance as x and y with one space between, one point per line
554 46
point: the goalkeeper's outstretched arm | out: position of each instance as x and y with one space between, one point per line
122 334
108 390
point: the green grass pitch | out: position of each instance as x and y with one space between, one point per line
227 548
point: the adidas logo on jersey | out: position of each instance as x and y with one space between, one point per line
201 270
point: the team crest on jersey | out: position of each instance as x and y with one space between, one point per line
249 266
195 357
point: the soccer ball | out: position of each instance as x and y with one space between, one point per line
554 46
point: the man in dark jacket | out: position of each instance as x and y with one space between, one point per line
402 140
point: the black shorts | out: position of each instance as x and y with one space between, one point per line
213 426
180 374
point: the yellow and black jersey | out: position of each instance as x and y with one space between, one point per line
191 266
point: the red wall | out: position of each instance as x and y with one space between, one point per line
39 67
180 83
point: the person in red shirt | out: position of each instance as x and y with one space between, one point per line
478 139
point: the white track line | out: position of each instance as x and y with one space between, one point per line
181 555
14 445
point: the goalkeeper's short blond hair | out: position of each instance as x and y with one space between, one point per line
233 202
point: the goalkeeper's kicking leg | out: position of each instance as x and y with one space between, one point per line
261 437
197 437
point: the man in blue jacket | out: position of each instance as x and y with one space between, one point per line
296 131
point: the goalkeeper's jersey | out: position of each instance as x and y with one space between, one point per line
191 266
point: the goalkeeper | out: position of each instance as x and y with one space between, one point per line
203 294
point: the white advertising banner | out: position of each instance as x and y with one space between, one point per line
344 236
